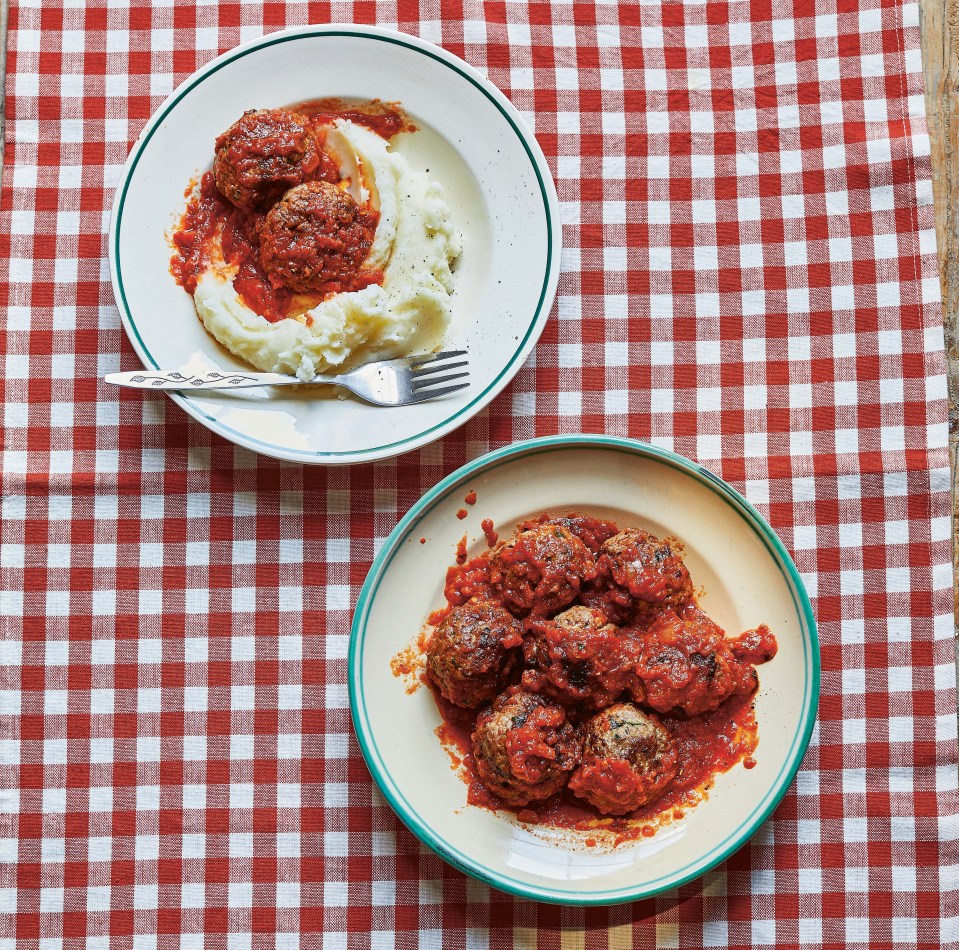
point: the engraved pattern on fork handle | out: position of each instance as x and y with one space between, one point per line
194 381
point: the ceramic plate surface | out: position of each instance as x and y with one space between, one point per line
731 552
470 138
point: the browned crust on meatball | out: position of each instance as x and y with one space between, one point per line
472 650
688 666
579 659
314 236
629 759
262 155
524 748
540 571
649 570
591 531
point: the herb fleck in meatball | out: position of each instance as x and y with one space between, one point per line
688 666
647 569
471 652
262 155
628 760
540 570
524 747
314 238
580 659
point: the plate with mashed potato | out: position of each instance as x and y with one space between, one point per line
321 198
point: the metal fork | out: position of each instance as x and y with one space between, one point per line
399 382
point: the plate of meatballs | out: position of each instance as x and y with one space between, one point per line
583 669
325 197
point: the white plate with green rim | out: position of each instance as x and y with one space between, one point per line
470 138
732 553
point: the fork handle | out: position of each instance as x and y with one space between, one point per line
174 380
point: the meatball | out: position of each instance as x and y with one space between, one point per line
688 666
590 531
580 659
524 747
647 570
612 602
540 570
628 760
472 651
314 238
263 154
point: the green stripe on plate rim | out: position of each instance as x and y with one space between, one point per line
229 58
772 544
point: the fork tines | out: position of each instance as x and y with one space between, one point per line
424 378
428 358
423 395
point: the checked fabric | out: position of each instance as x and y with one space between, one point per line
749 278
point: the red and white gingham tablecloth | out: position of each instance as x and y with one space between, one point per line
749 278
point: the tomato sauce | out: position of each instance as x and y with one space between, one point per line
410 664
491 536
541 570
591 531
704 745
199 223
468 579
386 119
708 745
755 646
211 229
239 239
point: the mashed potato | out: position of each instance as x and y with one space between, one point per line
415 245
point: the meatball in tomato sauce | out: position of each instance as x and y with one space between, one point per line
540 570
524 748
580 659
591 531
262 155
688 666
315 238
640 566
472 650
628 760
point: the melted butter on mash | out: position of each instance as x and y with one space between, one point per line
415 245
